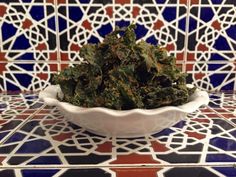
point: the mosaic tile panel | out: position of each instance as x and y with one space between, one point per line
200 34
207 136
15 110
212 76
26 76
28 39
211 44
123 172
28 31
89 22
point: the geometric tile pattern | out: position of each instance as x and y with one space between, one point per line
211 55
27 43
41 37
36 139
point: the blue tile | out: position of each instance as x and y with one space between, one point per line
215 66
221 44
223 143
169 13
75 13
227 171
180 124
3 105
152 40
229 86
161 1
62 24
27 67
192 24
26 56
30 97
217 79
35 146
37 12
24 79
21 43
84 1
219 158
217 57
231 32
93 40
182 24
140 31
11 87
47 160
233 133
15 137
122 23
164 132
51 23
206 14
8 30
105 29
3 135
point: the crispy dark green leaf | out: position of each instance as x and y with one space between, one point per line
122 74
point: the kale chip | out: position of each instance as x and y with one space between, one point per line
123 74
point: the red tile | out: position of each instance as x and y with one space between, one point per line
158 24
3 10
201 120
136 172
135 11
122 2
21 116
44 111
1 159
50 122
63 136
109 11
195 135
158 147
228 115
27 24
212 115
38 117
104 147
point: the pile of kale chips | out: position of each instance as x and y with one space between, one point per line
123 74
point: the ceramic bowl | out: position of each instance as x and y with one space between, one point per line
127 123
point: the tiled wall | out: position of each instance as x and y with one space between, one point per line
41 37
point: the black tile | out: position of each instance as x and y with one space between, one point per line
187 172
18 160
88 159
7 173
69 149
179 158
85 173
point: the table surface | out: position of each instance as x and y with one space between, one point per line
35 140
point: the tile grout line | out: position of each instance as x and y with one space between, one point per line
186 37
221 116
117 166
67 62
57 35
21 125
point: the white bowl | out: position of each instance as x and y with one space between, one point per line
128 123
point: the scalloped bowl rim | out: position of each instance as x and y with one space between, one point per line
50 93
